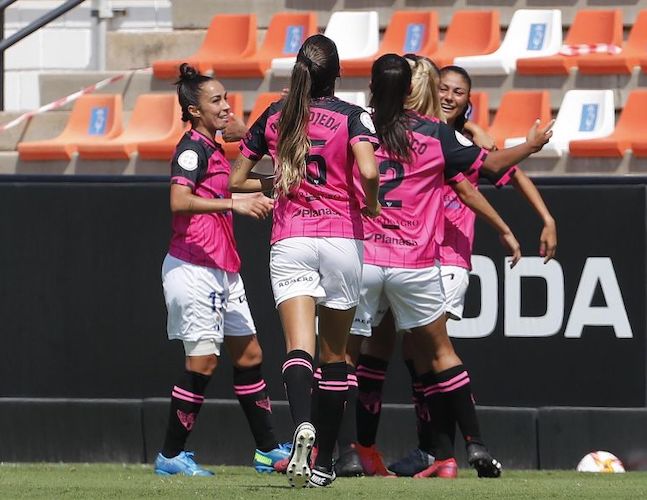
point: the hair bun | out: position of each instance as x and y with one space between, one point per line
188 72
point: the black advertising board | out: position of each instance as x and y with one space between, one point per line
570 332
83 314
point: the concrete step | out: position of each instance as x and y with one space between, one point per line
131 50
535 167
56 85
193 14
11 137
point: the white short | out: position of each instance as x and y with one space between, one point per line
202 347
329 269
455 282
204 303
415 297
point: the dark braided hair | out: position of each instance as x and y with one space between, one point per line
188 89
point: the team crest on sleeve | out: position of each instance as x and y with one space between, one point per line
188 160
462 139
365 118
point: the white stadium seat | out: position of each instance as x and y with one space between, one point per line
356 34
357 98
531 33
584 114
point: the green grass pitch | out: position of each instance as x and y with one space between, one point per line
90 481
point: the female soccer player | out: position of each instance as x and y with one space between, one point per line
375 354
424 77
204 293
316 255
401 261
456 250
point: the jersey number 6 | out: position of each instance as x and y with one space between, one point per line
320 164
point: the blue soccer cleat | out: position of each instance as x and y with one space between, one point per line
183 464
264 461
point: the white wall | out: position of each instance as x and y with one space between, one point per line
67 43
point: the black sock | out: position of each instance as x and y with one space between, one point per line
423 422
454 385
348 429
441 417
251 391
297 378
371 373
187 397
331 392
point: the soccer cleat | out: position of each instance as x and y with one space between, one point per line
447 469
182 464
416 461
321 477
265 461
348 464
479 458
372 462
298 470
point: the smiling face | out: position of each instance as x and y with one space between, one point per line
454 95
212 111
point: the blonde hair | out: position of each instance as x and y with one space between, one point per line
424 88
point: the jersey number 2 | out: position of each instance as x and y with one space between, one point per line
390 185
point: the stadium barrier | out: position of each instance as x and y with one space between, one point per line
132 431
84 323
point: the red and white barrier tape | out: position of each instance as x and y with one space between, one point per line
59 103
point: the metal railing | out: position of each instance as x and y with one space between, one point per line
26 31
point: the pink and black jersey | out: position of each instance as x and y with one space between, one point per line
409 231
327 202
456 249
203 239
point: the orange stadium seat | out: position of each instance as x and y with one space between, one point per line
639 148
155 117
163 147
517 111
408 31
624 62
631 127
235 100
94 118
470 33
589 27
480 109
229 36
263 100
284 37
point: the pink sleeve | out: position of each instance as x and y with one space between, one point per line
507 177
365 138
182 181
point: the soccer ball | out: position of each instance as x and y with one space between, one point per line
600 461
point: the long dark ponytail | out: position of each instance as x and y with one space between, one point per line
313 75
390 85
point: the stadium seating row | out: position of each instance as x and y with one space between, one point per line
533 43
585 125
94 130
